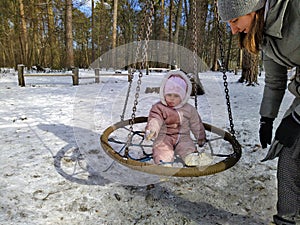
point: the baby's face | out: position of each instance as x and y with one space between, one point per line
172 100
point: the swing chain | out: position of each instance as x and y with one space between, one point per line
139 81
130 78
194 44
144 57
223 70
132 71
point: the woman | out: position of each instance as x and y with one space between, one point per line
274 26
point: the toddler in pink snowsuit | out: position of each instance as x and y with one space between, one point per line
171 120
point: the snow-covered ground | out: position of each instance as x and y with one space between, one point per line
54 171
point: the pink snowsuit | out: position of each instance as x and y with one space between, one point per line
172 126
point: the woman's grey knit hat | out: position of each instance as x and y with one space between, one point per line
229 9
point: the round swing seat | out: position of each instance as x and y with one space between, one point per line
227 162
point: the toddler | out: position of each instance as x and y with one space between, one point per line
170 122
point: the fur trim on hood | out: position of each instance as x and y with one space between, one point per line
188 91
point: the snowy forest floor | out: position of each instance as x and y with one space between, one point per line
42 123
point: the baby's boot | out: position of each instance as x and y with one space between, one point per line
198 159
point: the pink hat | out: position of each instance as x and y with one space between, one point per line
175 85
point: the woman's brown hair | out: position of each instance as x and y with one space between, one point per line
252 40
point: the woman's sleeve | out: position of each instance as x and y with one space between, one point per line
275 86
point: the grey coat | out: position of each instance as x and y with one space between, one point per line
281 48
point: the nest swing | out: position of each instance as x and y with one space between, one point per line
135 138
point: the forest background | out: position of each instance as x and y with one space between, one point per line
63 34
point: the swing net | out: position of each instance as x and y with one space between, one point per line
138 153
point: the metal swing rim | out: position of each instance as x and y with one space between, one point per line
172 171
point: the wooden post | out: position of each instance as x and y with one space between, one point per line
236 70
21 75
130 74
75 76
97 77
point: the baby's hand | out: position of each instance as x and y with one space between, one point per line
201 142
149 134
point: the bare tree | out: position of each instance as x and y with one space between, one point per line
44 31
216 29
23 35
249 68
54 54
69 35
93 30
114 29
161 20
202 12
175 58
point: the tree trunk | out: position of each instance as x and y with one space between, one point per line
178 16
93 31
202 11
189 32
228 52
215 30
114 31
161 20
23 36
249 68
170 22
54 55
69 36
175 59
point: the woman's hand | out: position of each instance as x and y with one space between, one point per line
288 130
265 131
